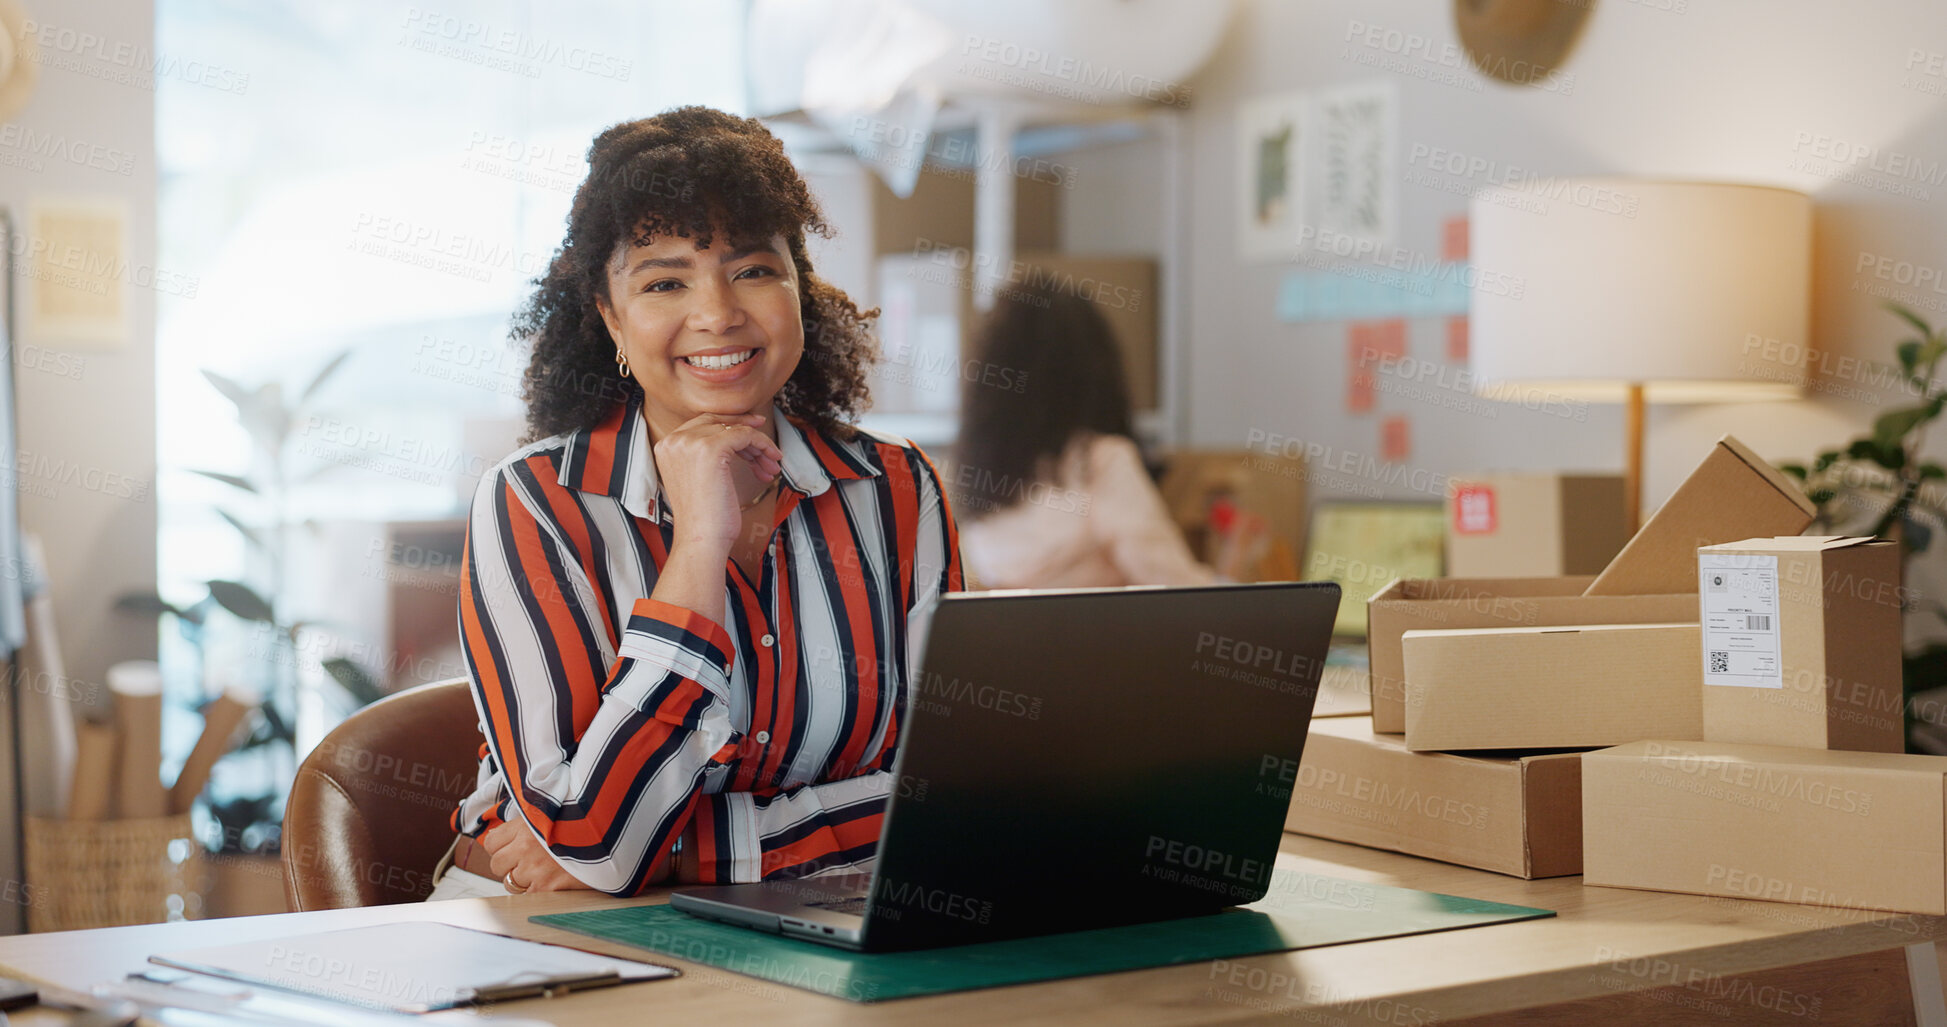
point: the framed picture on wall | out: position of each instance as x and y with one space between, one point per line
73 290
1271 131
1352 164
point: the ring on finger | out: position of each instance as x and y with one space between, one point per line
511 886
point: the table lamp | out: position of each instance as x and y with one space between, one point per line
1635 291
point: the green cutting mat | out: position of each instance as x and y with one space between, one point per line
1302 911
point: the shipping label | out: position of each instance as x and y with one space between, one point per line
1740 615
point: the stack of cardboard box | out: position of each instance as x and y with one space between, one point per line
1799 788
1472 677
1747 681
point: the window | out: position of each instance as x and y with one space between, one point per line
382 181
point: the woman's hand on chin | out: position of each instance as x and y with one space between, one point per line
709 467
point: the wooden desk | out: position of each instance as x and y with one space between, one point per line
1611 956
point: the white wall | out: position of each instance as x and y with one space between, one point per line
1717 91
98 544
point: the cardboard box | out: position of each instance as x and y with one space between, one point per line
1733 494
1255 483
1548 688
1534 525
939 214
1343 691
1802 643
1447 603
1519 816
1123 289
1858 829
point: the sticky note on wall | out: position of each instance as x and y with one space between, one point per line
1453 239
1396 440
1457 338
1369 344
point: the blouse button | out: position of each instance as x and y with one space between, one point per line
767 641
763 738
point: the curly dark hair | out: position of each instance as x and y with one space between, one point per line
690 172
1065 351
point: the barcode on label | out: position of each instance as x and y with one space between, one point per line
1720 662
1756 623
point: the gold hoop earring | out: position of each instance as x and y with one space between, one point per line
621 362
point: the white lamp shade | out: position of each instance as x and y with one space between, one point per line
1586 286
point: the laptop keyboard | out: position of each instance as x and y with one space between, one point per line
854 906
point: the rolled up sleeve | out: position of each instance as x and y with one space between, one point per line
604 752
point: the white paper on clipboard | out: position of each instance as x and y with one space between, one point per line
413 967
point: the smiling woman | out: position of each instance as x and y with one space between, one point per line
745 298
692 603
675 183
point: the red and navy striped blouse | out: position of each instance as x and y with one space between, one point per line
612 720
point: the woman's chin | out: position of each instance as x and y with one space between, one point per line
727 403
733 406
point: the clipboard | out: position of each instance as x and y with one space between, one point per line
413 967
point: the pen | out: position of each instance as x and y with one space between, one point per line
547 987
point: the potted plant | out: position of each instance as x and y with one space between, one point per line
1878 484
247 817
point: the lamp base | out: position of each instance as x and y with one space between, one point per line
1633 459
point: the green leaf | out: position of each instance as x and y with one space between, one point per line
266 418
153 605
1820 497
1926 330
261 411
354 680
1932 471
1916 535
318 380
249 533
1795 470
1909 353
1825 460
1892 427
327 625
231 390
1932 351
242 600
1890 458
227 479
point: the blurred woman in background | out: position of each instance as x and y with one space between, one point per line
1049 485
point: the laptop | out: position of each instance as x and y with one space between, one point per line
1075 759
1366 546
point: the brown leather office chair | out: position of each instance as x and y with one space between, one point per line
369 814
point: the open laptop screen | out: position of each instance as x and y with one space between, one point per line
1365 545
